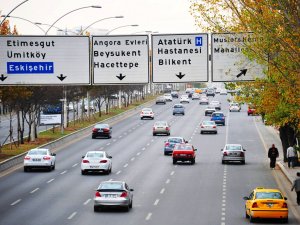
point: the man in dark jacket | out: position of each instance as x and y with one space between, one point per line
296 186
273 154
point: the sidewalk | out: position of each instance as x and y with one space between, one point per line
273 138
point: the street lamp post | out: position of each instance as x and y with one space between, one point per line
12 11
133 25
93 6
112 17
16 17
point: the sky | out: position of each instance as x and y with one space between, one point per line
162 16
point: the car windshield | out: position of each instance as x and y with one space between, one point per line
233 147
95 155
101 126
183 147
111 186
208 123
175 140
178 106
268 195
37 152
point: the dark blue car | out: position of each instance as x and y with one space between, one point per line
218 117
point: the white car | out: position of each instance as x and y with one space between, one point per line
234 107
39 158
168 97
204 100
96 161
184 98
216 104
195 96
208 126
147 113
223 92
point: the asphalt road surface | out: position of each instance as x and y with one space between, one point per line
207 193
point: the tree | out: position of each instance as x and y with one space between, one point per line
277 23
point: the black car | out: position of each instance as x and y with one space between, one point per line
174 94
101 130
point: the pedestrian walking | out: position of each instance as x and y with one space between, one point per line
296 186
273 154
291 156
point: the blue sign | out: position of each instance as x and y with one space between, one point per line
198 41
29 67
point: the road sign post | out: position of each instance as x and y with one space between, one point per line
44 60
180 58
120 59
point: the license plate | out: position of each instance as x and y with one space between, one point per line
111 196
94 167
270 205
182 154
100 131
36 160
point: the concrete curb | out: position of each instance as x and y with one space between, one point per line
285 172
18 159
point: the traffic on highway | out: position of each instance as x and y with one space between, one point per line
170 169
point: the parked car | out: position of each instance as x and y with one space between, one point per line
147 113
178 109
38 158
96 161
265 203
170 143
233 153
161 127
218 117
101 130
204 100
168 97
208 126
113 194
184 98
216 104
183 153
160 100
234 107
209 110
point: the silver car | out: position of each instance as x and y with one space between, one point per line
204 100
161 127
208 126
113 194
233 153
39 158
216 104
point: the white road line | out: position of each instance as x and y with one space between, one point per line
125 133
16 202
224 200
132 159
176 166
119 172
222 218
224 192
34 190
223 204
167 181
125 165
75 164
152 140
223 196
172 173
148 144
101 148
49 181
156 202
108 144
120 136
162 190
223 223
114 140
72 215
148 216
87 201
143 149
138 153
63 172
223 214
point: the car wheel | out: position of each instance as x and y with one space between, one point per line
201 132
174 161
109 137
173 114
53 167
126 208
243 162
83 172
96 209
216 132
25 169
93 137
251 219
165 153
286 220
223 162
49 168
154 134
130 205
193 161
246 215
205 114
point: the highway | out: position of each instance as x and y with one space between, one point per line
207 193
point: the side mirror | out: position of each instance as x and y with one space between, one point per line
244 149
186 141
285 198
110 127
53 154
82 156
131 189
195 149
246 198
221 149
110 157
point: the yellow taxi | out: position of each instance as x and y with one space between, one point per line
266 203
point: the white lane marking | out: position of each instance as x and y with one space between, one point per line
114 140
108 144
156 202
125 133
172 173
224 192
148 144
120 136
223 204
176 166
130 130
16 202
49 181
34 190
111 179
87 201
143 149
223 196
75 164
224 185
152 140
125 165
222 218
223 214
224 200
119 172
72 215
162 190
148 216
167 181
101 148
63 172
132 159
138 153
223 223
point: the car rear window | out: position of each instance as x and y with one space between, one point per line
111 186
208 122
268 195
175 140
233 147
37 152
95 155
101 126
183 147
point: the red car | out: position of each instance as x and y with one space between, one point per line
251 111
183 153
